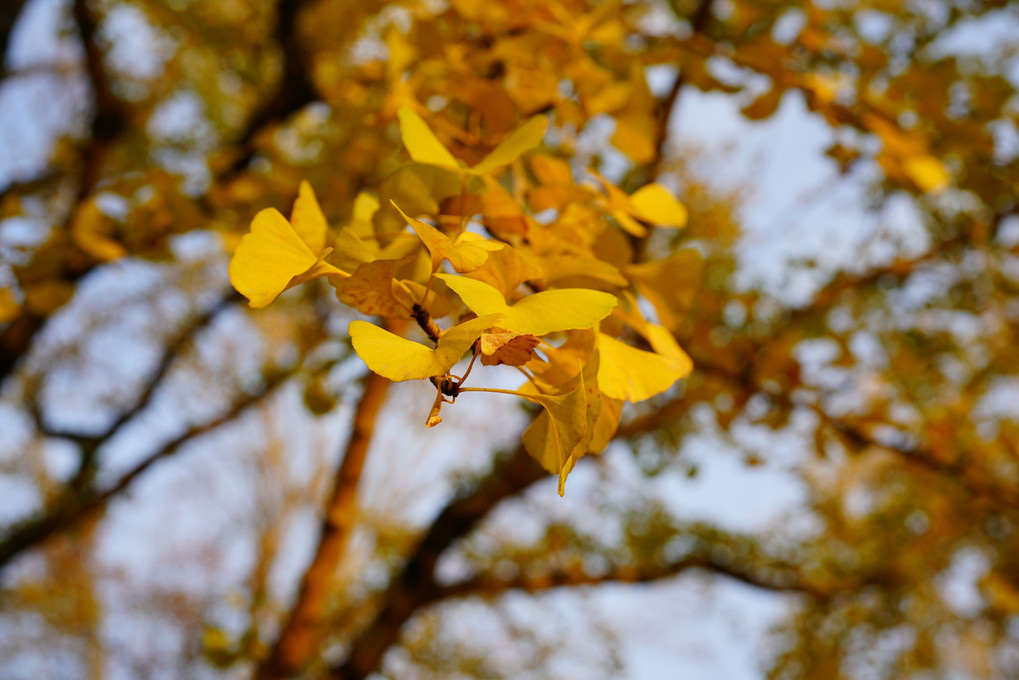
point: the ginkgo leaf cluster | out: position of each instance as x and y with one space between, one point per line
485 279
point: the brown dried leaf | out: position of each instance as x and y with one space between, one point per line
503 347
370 289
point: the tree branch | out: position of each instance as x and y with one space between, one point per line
698 25
10 10
651 171
293 91
109 117
415 587
977 485
74 505
110 114
90 444
302 634
489 586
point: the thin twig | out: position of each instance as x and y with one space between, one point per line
490 586
303 631
74 505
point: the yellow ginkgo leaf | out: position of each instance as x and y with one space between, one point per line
307 219
602 413
670 284
632 374
633 135
619 206
277 254
268 257
355 243
523 139
607 422
582 270
541 313
424 147
553 436
653 204
556 187
468 252
91 229
506 269
422 144
628 224
664 343
397 358
417 188
551 170
656 205
365 207
350 251
401 53
927 172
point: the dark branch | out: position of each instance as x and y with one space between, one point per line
173 350
415 586
10 10
769 580
293 91
426 322
109 116
74 505
108 119
698 25
302 632
975 484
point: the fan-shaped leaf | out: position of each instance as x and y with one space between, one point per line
268 257
397 358
425 147
511 349
468 252
307 219
421 142
538 314
632 374
554 434
522 140
656 204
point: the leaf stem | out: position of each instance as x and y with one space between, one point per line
467 372
428 288
496 390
